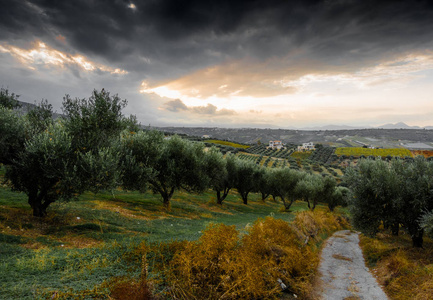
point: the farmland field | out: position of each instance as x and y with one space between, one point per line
226 143
358 151
301 155
425 153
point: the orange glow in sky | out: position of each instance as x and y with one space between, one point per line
41 54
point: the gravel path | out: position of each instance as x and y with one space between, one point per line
343 271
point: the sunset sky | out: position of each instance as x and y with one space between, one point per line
227 63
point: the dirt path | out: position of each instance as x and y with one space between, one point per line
343 274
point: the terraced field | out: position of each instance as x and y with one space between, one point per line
359 151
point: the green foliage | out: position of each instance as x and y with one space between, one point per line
7 100
44 169
391 194
283 184
92 123
221 172
12 135
312 188
180 165
246 177
338 197
426 222
40 117
99 171
138 153
56 161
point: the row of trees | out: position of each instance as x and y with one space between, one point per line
94 147
392 194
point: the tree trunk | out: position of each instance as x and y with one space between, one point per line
245 197
166 196
39 208
286 204
264 196
395 228
219 200
314 205
417 238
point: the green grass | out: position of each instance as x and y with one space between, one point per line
82 243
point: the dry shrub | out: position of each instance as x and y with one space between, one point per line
405 272
202 270
131 289
312 224
392 267
272 251
220 265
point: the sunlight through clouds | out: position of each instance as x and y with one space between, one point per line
43 55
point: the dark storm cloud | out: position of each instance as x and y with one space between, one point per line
171 37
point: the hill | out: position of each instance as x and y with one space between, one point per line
386 138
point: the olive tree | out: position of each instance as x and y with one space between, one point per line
93 123
12 135
44 169
264 182
40 116
338 197
246 178
426 223
221 172
368 185
50 161
138 153
283 184
391 193
8 100
310 189
180 165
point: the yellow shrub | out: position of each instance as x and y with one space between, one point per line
220 265
311 224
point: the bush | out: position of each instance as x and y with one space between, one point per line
222 265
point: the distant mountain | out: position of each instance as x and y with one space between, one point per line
334 127
399 125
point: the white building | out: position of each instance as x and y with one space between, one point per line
276 145
306 147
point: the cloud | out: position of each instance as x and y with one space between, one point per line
175 105
42 55
180 38
258 55
211 110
